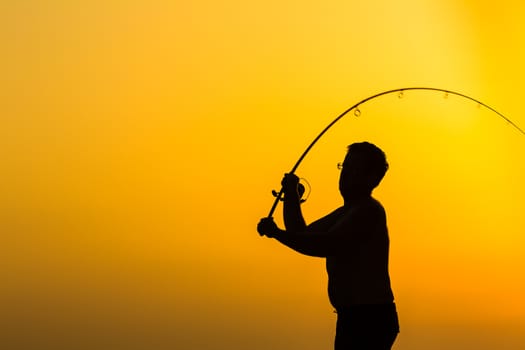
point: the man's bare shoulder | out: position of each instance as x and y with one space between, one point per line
327 221
367 208
376 205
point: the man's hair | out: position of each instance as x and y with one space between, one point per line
374 160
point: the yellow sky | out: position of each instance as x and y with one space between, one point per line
140 142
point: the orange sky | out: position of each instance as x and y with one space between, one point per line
140 142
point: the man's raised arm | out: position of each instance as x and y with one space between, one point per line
292 214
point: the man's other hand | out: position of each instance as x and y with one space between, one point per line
267 227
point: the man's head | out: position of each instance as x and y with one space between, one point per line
363 169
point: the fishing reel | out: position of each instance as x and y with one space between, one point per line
301 189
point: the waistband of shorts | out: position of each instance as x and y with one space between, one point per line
367 307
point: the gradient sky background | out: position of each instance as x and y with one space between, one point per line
140 140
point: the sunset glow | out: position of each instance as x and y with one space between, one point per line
140 142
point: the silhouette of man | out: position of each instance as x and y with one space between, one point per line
354 240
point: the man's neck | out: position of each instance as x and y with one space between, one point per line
355 198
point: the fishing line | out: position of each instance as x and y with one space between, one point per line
357 113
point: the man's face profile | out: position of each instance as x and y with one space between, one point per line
353 178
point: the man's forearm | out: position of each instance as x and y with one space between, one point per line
307 244
292 214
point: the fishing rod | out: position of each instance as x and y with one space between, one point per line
357 112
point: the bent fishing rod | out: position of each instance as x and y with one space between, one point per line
357 112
